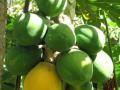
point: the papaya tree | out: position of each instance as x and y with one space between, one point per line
3 13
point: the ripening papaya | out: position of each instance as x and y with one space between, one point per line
43 77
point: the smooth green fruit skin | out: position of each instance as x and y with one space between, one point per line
29 29
102 67
89 38
8 81
60 37
19 60
86 86
7 87
7 77
51 7
74 67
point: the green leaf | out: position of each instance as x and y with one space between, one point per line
114 14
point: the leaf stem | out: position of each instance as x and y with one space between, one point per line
109 44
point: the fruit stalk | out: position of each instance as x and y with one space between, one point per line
18 80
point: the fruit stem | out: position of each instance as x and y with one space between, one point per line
18 80
48 54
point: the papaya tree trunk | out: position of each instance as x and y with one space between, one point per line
2 33
70 9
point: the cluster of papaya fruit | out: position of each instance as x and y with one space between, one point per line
78 58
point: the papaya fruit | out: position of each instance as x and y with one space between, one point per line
60 34
19 60
102 67
74 67
29 29
7 87
8 81
51 7
89 38
86 86
43 77
7 77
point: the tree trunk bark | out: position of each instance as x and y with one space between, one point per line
3 13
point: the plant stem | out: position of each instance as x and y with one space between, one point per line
18 80
26 7
108 35
109 44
